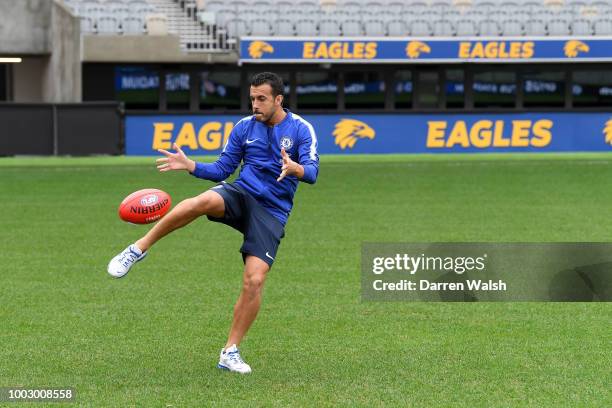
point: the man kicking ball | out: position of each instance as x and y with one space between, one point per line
277 149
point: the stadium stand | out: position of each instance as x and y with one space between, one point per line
212 25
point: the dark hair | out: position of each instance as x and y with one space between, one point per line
270 78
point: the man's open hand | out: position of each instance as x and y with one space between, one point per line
290 167
175 161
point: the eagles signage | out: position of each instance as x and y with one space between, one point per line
392 133
414 50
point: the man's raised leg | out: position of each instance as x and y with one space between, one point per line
208 203
245 312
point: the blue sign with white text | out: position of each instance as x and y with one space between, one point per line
391 133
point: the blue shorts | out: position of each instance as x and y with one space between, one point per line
261 230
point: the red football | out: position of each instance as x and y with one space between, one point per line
145 206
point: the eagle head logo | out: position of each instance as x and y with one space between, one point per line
258 48
348 131
415 48
608 132
573 47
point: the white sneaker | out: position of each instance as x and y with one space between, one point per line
120 265
230 360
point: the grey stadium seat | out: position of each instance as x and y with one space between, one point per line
108 25
420 28
374 28
351 28
484 6
581 27
396 7
133 25
306 27
283 27
223 16
284 7
87 25
498 15
351 7
251 14
121 12
544 15
237 27
381 15
397 28
558 27
441 3
452 15
511 28
488 28
443 28
564 15
373 7
261 27
465 28
329 27
602 26
417 7
213 5
475 15
535 27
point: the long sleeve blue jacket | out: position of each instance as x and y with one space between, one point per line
258 147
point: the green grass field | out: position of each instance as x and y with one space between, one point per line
152 339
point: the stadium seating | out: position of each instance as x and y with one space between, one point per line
431 17
217 24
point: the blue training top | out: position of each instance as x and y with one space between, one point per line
258 146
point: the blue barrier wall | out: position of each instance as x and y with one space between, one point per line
392 133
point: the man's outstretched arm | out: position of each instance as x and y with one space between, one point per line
221 169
